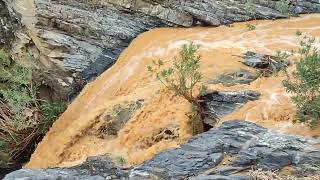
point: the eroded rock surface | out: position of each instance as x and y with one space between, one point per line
265 62
86 37
219 104
7 25
240 76
220 153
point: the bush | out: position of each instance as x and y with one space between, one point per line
305 84
24 119
283 7
250 8
184 78
250 27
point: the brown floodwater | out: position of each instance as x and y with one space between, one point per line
72 138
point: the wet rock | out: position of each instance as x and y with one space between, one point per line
219 104
265 62
87 37
250 145
238 77
115 119
220 177
96 168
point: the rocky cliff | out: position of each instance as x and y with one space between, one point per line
224 153
76 40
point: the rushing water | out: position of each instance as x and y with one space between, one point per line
72 138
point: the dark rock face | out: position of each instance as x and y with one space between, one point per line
249 145
219 104
118 116
241 76
96 168
87 36
265 62
7 24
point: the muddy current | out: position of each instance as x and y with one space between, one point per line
127 113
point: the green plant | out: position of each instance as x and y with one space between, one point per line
305 83
51 111
250 27
283 7
121 160
250 8
184 78
298 33
24 119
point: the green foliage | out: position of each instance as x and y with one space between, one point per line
283 7
250 27
51 111
121 160
250 8
298 33
305 83
23 118
184 78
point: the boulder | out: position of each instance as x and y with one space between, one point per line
265 62
241 76
221 103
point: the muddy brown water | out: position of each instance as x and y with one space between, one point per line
69 143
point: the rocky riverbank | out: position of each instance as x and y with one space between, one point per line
227 152
76 41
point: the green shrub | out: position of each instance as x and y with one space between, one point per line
250 27
305 84
24 119
283 7
183 78
51 111
250 8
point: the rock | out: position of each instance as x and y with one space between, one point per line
95 168
7 25
112 121
265 62
250 145
219 104
219 177
235 138
88 36
241 76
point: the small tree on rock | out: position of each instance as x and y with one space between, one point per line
184 78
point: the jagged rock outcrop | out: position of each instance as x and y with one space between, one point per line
220 153
240 76
7 25
80 39
221 103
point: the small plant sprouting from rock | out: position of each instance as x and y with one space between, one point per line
304 84
121 161
250 27
24 119
184 79
283 7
